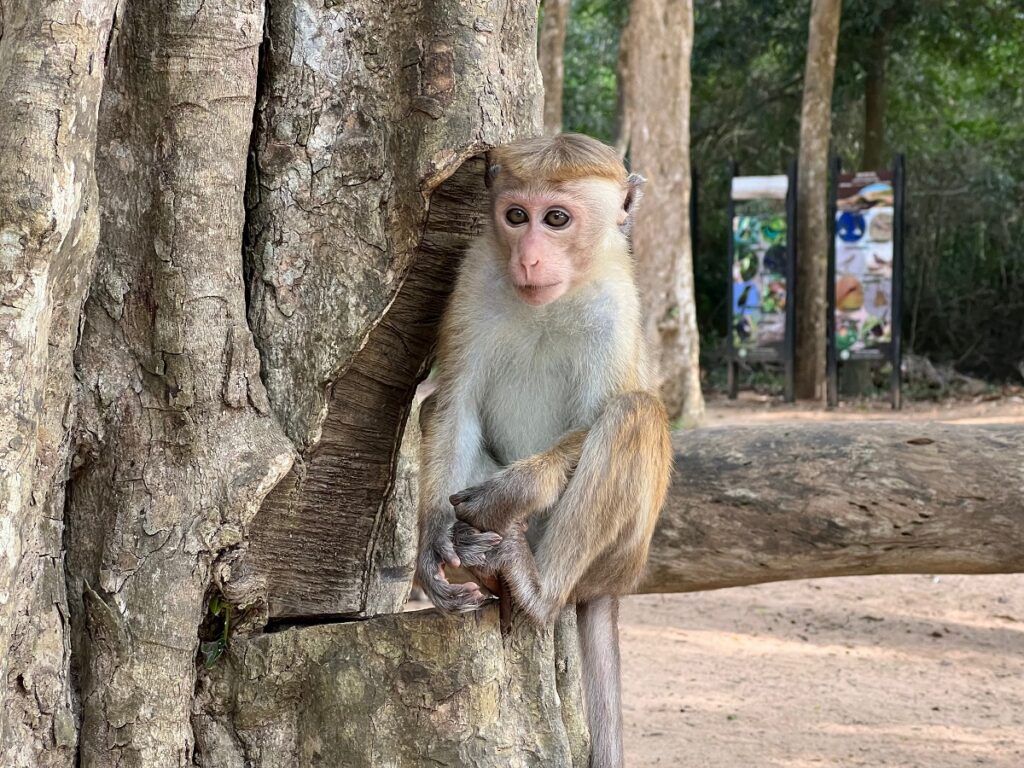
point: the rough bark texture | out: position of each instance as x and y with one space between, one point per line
322 564
51 56
812 188
149 401
428 690
363 113
756 504
551 54
659 38
175 445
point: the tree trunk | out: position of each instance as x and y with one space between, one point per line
152 403
623 127
659 38
51 55
403 691
174 436
874 98
766 503
551 55
812 228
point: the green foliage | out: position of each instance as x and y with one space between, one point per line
220 620
590 101
955 107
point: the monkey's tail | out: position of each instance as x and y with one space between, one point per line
598 624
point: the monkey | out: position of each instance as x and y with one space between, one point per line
546 453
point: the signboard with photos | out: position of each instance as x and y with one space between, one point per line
865 265
762 212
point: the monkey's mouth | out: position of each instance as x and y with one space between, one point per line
537 295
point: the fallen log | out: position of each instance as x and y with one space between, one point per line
776 502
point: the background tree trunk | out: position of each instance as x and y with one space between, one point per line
659 38
623 127
551 55
812 226
875 96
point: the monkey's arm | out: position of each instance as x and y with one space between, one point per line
596 539
522 489
451 454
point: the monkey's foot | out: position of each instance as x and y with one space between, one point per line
472 545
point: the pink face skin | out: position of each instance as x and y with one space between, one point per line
549 237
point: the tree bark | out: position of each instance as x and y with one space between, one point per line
403 690
768 503
365 116
659 38
812 225
175 443
551 55
169 423
51 55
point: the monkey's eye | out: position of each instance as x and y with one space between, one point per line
516 216
556 218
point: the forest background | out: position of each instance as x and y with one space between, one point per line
937 81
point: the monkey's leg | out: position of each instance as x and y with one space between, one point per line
522 489
598 625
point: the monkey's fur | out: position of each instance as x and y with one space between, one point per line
546 452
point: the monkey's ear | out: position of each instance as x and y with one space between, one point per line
493 169
634 191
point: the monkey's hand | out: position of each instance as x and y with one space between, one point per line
494 505
458 545
522 489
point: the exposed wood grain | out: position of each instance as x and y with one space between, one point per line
316 534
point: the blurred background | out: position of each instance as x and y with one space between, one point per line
939 81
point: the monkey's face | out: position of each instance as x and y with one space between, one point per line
553 236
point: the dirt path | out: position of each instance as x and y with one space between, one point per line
909 671
880 671
749 408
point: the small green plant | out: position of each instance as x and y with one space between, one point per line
212 650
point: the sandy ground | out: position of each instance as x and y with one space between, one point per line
879 671
760 409
912 671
